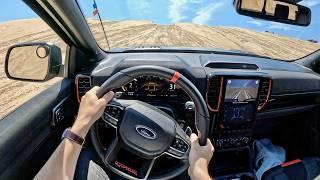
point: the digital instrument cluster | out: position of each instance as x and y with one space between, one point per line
152 86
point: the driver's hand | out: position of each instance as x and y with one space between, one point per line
199 158
90 110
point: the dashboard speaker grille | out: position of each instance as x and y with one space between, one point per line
264 93
214 93
221 65
83 84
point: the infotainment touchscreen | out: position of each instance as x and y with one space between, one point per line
241 90
240 102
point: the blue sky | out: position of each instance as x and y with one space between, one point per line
15 9
208 12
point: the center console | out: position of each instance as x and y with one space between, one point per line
234 102
238 109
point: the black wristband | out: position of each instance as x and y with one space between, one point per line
72 136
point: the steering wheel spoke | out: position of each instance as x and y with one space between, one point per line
180 146
132 166
113 114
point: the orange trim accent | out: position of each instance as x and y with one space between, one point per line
220 95
221 126
77 84
290 162
175 77
268 96
77 89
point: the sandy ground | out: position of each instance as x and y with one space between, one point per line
138 33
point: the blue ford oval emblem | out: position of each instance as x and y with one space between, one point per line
146 132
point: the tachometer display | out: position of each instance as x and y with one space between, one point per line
131 86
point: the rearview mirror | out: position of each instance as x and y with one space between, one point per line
33 61
283 11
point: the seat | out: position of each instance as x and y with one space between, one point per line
305 169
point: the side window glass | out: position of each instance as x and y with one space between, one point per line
24 26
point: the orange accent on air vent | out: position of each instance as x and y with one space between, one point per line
266 94
217 102
83 84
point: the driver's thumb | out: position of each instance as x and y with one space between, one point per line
106 99
193 138
109 96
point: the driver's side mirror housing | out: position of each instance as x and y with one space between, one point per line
33 61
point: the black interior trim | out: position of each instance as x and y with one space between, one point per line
27 127
283 112
288 95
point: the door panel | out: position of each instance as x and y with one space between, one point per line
26 136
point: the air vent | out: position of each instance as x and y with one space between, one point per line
220 65
83 84
214 92
264 92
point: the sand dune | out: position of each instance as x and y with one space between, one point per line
137 33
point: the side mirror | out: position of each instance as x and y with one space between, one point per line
33 61
283 11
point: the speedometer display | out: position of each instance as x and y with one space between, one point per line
152 86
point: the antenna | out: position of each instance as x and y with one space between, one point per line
97 12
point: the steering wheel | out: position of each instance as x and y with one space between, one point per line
145 131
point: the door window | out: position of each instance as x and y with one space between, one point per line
18 24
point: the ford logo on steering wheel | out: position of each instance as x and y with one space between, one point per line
146 132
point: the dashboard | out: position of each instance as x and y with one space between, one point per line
238 89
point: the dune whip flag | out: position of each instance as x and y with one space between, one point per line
95 9
96 12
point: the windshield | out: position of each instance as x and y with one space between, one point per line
197 24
